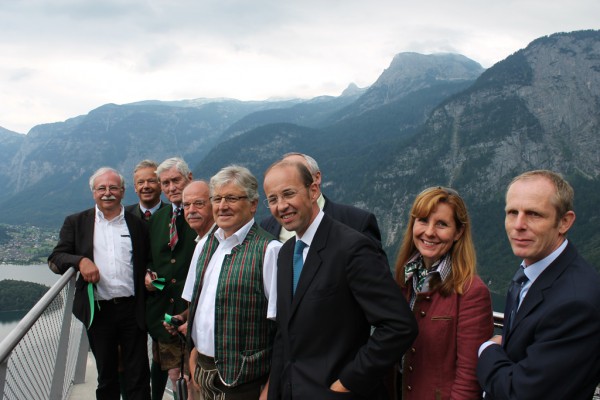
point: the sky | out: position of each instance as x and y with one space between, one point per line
63 58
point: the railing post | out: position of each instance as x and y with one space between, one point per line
82 356
3 371
58 378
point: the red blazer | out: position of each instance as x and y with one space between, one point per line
441 362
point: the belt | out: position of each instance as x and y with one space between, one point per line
117 300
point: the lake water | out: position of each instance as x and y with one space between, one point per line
30 273
42 274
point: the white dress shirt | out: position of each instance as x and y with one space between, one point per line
203 332
113 255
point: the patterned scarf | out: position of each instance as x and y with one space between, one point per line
415 270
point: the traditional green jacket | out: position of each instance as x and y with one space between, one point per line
171 265
243 334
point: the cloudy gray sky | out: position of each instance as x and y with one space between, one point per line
63 58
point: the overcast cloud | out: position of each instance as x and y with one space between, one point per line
63 58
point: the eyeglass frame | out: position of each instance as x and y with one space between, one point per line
229 199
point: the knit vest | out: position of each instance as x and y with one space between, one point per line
243 334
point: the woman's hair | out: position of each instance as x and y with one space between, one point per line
462 251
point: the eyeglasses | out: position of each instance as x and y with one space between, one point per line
111 189
199 204
285 196
229 199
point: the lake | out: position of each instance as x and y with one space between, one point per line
30 273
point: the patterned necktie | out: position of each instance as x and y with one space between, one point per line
298 263
513 298
147 215
173 238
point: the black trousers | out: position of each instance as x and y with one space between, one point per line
114 325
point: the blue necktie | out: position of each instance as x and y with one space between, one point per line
298 263
514 296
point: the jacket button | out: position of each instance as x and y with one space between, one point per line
428 298
173 280
173 261
171 300
410 368
409 387
423 313
413 350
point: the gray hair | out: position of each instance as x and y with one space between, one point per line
176 162
313 167
102 171
241 176
145 164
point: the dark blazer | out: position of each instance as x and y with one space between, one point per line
553 349
357 219
171 265
137 211
324 331
76 241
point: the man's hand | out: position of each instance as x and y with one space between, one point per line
497 339
150 276
265 391
89 270
193 366
174 330
338 387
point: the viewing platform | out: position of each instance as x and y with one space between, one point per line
47 355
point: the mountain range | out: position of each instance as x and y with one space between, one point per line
428 120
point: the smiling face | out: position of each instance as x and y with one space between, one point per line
147 186
108 193
294 204
532 224
231 216
435 234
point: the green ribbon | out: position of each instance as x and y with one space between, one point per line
90 291
159 283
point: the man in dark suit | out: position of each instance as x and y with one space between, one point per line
147 188
333 285
550 346
172 244
360 220
109 248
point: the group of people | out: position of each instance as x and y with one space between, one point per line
304 305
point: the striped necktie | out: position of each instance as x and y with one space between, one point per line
173 238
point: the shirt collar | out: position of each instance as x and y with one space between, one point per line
238 237
198 238
312 229
152 210
534 270
100 215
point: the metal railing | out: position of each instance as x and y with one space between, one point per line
46 353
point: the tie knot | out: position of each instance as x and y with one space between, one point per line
299 247
520 276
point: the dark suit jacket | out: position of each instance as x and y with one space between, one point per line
76 241
553 349
357 219
137 211
324 331
171 265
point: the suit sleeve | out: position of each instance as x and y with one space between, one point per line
380 299
64 254
555 365
475 326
